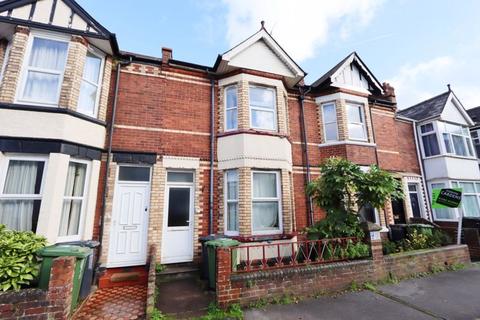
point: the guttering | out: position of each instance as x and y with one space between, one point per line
301 98
212 151
109 153
421 162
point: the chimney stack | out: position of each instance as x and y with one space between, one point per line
389 92
166 54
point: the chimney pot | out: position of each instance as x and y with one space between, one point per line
166 54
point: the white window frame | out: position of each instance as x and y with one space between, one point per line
84 198
361 106
475 141
325 123
277 199
274 110
456 184
4 164
437 136
226 108
419 197
100 55
6 57
447 184
466 139
26 68
227 201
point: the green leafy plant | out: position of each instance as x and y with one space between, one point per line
416 241
342 190
158 315
159 267
389 247
215 313
19 265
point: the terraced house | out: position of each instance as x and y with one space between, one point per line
153 150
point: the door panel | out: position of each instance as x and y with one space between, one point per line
128 240
177 244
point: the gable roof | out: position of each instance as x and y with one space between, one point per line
65 16
429 108
354 58
223 63
474 113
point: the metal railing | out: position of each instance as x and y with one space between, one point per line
257 257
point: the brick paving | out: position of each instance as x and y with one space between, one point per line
126 302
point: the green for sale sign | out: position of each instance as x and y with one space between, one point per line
446 198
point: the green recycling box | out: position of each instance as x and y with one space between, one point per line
51 252
212 246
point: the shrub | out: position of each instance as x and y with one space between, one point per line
389 247
18 262
416 241
337 224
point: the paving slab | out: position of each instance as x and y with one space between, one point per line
364 305
450 295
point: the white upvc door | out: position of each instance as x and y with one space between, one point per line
129 227
177 242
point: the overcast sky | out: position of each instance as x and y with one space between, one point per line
418 46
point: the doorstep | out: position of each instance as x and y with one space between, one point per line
125 276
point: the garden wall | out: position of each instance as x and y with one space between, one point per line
248 287
41 304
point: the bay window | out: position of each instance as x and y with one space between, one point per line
231 108
357 129
476 141
443 213
73 200
470 197
330 128
266 217
263 113
231 202
21 193
43 70
429 140
90 87
456 139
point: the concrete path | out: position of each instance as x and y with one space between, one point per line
449 295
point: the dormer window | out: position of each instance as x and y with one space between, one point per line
231 108
43 70
263 113
357 129
90 88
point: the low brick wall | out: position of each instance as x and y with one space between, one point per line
245 288
152 280
40 304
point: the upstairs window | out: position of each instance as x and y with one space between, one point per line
429 140
357 129
476 141
90 88
231 108
456 139
330 129
262 108
21 194
43 71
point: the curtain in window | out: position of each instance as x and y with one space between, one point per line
21 179
470 206
72 205
265 215
46 55
232 200
264 185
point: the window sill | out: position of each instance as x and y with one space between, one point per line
352 142
251 131
450 156
260 238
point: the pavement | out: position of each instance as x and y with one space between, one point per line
449 295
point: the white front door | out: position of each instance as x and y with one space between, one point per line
129 226
177 244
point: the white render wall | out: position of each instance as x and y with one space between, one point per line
46 125
450 167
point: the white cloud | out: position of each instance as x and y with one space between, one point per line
299 26
420 81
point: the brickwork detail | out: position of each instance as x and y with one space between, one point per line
39 304
11 77
105 89
287 205
157 200
328 278
108 210
245 201
72 77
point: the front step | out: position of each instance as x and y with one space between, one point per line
179 271
126 276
